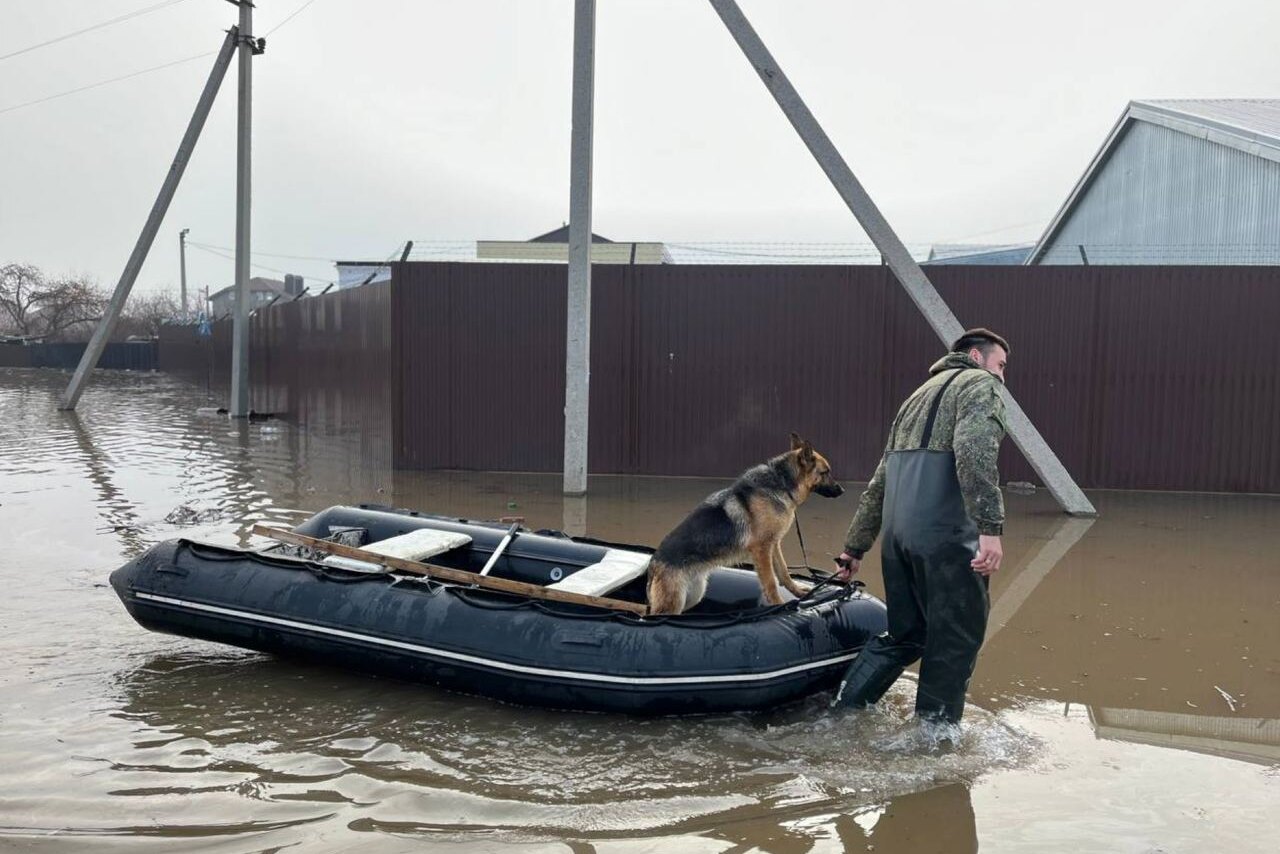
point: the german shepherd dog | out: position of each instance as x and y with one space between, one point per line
750 518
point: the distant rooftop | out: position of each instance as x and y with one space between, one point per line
257 284
1249 125
561 235
1259 117
979 253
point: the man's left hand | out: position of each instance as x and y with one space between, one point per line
848 566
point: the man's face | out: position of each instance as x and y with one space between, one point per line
994 361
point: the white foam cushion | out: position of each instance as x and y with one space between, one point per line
617 568
415 545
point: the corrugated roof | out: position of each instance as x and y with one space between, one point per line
975 253
1252 115
1251 125
561 235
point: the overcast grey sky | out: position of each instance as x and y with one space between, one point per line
386 120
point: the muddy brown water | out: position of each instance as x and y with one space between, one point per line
1098 720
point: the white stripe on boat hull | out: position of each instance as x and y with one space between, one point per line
494 663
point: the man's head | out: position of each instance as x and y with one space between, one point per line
986 348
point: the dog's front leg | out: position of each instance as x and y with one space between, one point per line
762 557
784 574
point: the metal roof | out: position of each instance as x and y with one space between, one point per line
977 254
1250 125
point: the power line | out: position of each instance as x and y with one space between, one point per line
119 19
105 82
289 18
263 254
204 248
135 73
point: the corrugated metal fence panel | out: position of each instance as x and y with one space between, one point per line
729 360
695 371
201 360
66 355
1188 392
15 356
1140 378
327 362
702 370
482 365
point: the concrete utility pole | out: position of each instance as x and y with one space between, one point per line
577 384
182 264
107 325
895 254
239 407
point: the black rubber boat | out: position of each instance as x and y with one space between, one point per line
729 653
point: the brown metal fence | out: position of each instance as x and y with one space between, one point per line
325 361
1139 377
66 355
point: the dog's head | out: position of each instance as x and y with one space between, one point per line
813 470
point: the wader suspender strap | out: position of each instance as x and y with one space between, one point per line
933 410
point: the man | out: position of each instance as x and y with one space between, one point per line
938 493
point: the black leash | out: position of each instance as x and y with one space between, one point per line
799 536
823 579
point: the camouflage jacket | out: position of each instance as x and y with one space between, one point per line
970 423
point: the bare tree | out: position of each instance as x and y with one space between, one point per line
35 306
144 314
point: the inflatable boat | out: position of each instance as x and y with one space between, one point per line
481 608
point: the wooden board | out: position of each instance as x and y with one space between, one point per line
444 573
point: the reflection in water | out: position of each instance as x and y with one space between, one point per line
1252 739
300 734
118 514
113 734
937 820
1027 573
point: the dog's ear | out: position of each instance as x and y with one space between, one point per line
804 447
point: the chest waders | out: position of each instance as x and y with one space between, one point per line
937 604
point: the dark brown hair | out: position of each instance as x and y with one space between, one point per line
982 338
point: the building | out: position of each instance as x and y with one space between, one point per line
353 274
1176 182
969 253
261 292
554 246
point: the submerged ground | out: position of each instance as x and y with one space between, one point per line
1128 697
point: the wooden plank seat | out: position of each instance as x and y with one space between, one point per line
618 568
416 546
459 577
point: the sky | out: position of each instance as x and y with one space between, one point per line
388 120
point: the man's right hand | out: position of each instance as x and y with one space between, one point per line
990 553
848 566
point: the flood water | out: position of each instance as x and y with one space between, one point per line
1098 720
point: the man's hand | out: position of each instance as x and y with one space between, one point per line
848 566
990 553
